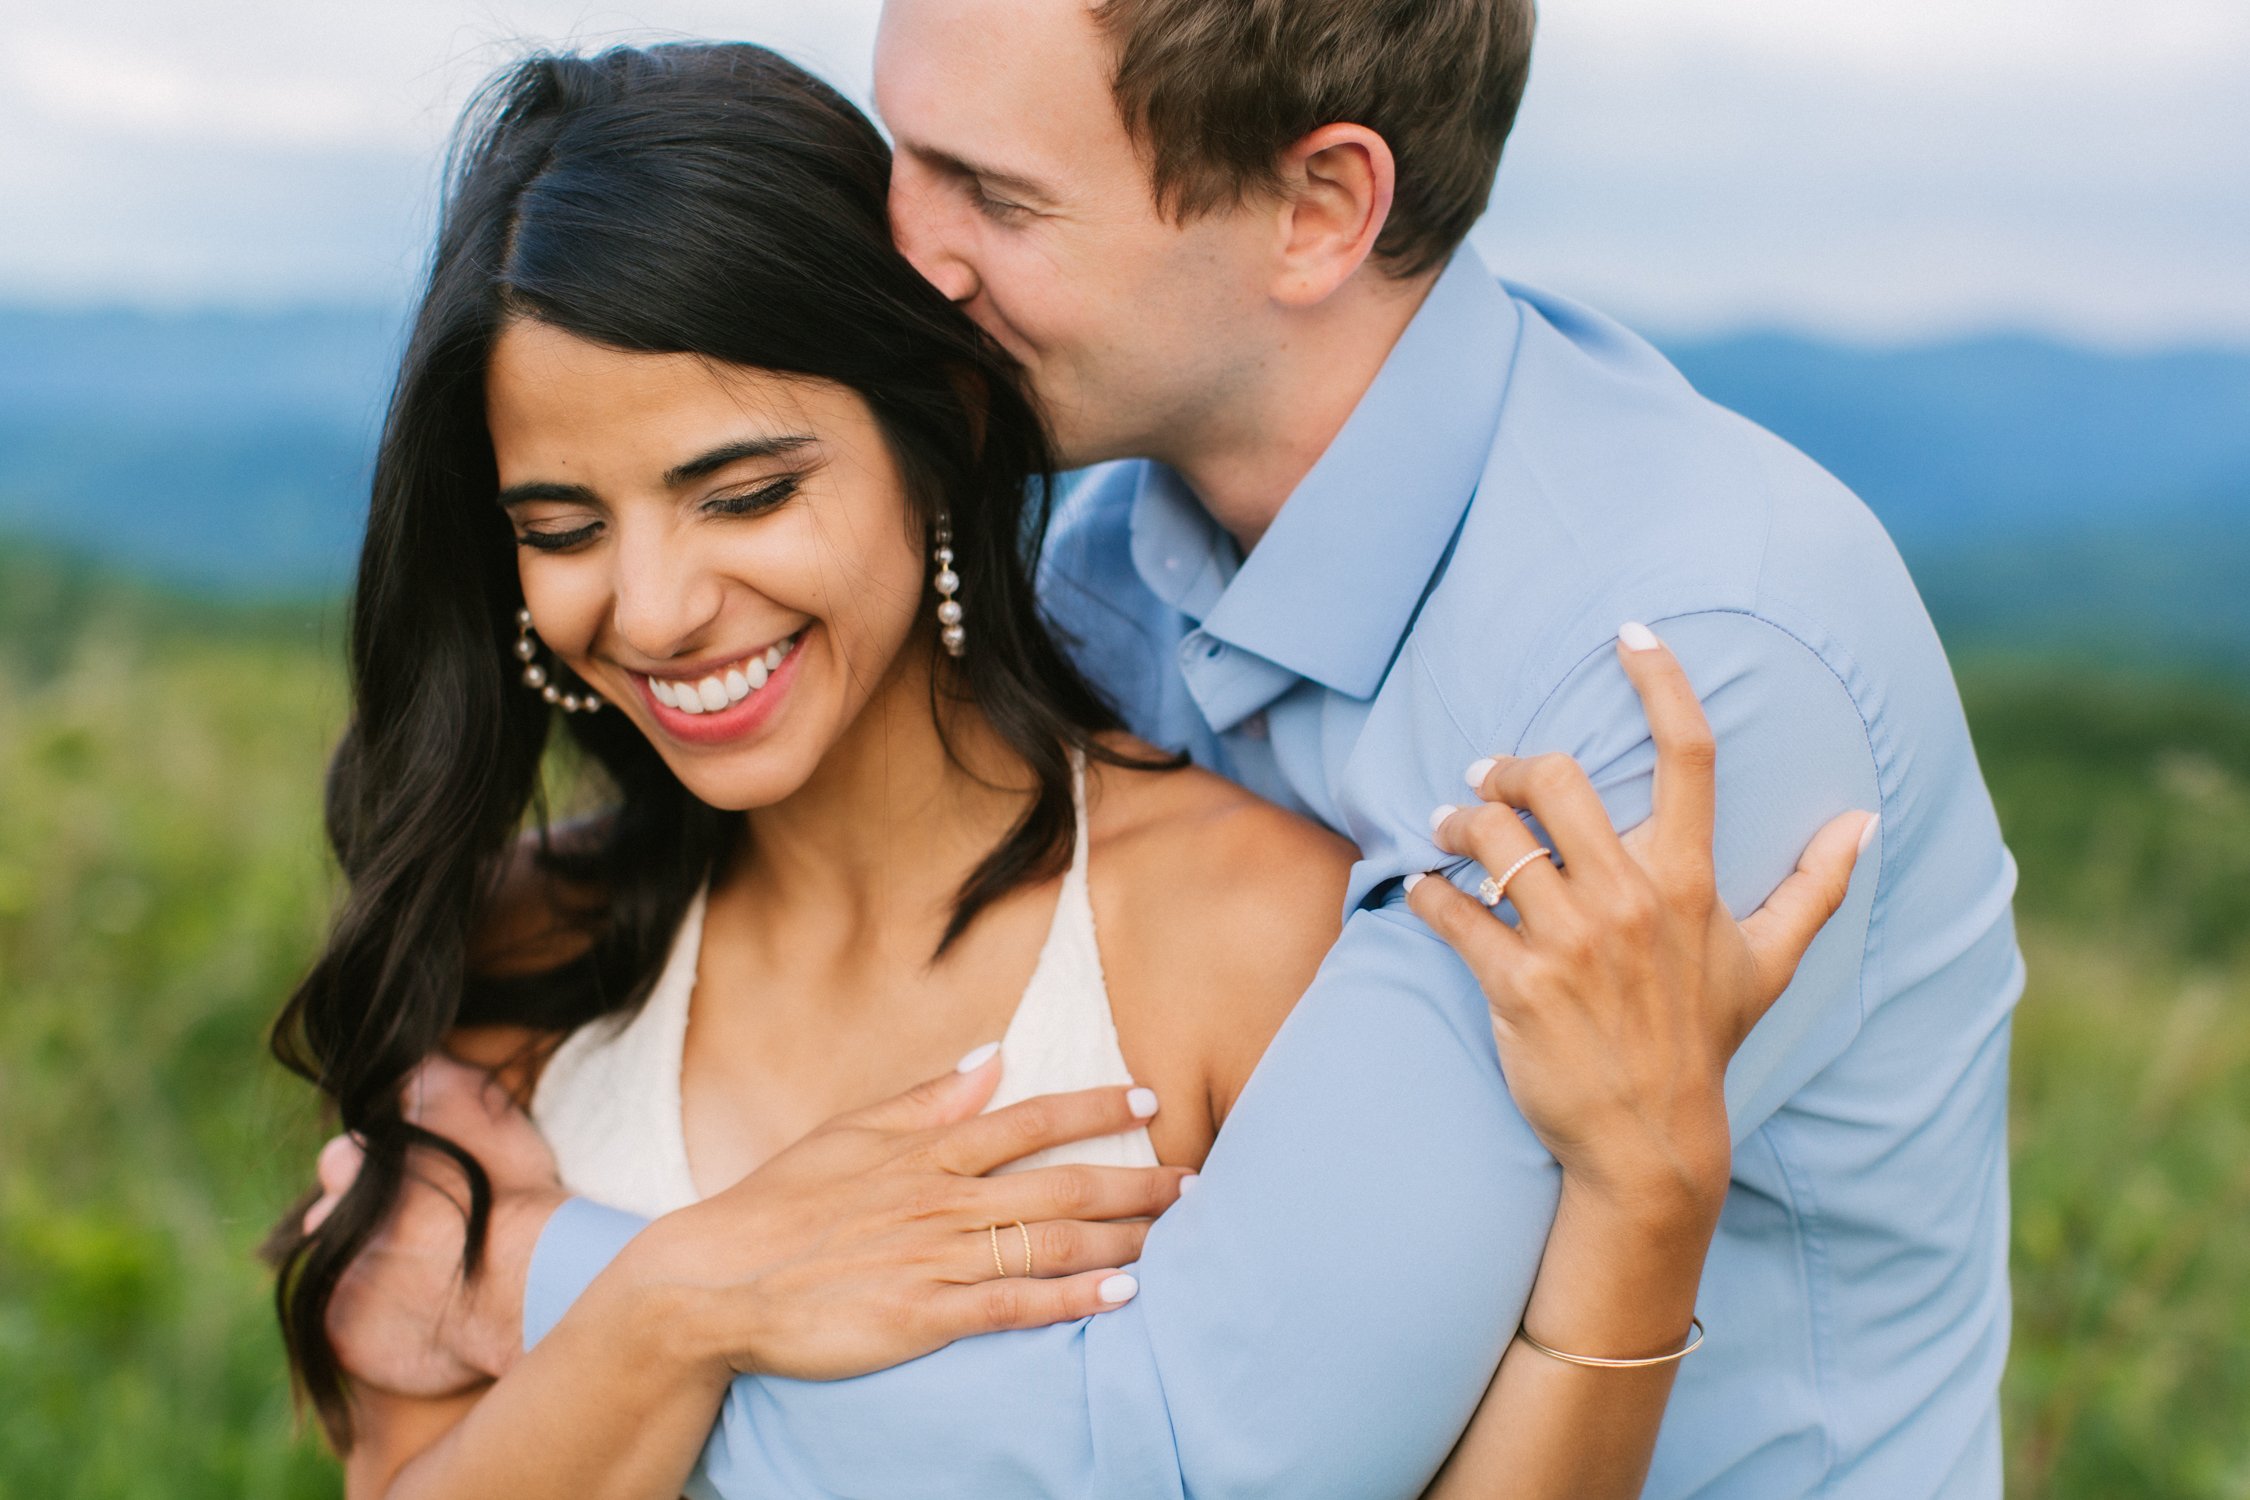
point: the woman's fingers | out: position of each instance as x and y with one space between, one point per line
1492 835
1020 1302
1779 932
1489 947
1553 788
336 1169
934 1102
1050 1248
976 1146
1075 1191
1687 753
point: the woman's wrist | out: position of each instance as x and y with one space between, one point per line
666 1316
1620 1274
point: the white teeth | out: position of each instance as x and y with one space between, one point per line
724 689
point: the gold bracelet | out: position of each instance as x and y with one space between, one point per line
1695 1342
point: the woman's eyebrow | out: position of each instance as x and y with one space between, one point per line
732 453
542 489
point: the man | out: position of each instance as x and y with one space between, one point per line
1371 517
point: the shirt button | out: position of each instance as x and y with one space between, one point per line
1171 565
1254 727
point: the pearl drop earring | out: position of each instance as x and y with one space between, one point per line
948 583
535 675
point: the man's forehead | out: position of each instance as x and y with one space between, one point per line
1010 88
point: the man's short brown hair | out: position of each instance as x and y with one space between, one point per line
1215 90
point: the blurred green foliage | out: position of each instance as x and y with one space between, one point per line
162 879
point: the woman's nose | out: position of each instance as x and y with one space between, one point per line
665 604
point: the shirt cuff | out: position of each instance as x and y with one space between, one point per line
580 1240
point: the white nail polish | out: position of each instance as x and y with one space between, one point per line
1637 637
1142 1102
1187 1184
1119 1288
1867 834
1477 771
1440 813
978 1058
1416 879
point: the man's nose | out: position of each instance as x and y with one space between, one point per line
919 228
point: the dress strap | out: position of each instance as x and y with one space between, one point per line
1080 841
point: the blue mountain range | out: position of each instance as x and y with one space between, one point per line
2048 497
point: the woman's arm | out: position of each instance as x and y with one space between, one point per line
860 1247
1615 1282
601 1408
1618 998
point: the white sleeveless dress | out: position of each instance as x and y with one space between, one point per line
609 1099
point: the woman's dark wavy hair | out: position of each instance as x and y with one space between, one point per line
705 199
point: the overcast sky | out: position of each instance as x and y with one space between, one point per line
1887 170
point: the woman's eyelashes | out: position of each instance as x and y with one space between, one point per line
557 541
765 497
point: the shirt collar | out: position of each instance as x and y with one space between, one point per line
1331 588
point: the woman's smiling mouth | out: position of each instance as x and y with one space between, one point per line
728 701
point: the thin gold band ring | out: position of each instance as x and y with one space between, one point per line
999 1266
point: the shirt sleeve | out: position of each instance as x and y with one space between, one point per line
1321 1316
1795 750
1318 1319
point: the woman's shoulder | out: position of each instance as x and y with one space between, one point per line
1207 837
1215 907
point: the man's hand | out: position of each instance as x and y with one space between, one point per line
1626 986
404 1319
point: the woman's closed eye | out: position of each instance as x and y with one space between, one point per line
770 495
550 540
548 536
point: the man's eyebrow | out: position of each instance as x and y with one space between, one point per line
706 464
1006 182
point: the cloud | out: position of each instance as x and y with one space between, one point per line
1880 170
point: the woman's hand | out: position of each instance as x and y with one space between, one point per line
862 1246
1618 999
1625 987
405 1320
870 1242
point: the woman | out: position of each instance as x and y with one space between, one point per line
684 454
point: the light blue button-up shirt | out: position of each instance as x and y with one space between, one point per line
1321 1317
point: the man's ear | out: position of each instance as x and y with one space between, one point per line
1336 190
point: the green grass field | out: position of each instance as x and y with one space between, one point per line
162 878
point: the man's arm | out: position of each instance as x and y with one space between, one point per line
1321 1315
